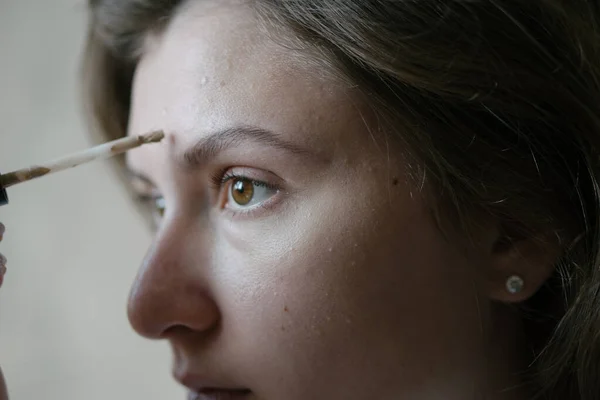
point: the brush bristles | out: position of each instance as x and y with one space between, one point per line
153 137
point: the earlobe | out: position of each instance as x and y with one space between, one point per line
515 284
519 269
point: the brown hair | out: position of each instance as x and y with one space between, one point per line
498 100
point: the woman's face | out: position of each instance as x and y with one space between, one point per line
293 259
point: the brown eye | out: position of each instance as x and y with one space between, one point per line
244 194
242 191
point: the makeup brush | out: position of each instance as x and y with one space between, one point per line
102 151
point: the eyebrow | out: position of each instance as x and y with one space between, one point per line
207 148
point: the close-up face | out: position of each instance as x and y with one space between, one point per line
294 258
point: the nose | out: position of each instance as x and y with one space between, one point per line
171 291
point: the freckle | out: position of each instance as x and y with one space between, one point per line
286 309
283 328
395 182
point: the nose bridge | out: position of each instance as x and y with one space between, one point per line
171 288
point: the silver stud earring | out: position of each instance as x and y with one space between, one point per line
514 284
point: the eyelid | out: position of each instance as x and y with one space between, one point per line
148 197
247 173
143 188
147 203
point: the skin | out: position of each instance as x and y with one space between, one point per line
341 286
334 282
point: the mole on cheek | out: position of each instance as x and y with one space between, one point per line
285 309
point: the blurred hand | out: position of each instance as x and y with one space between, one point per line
3 391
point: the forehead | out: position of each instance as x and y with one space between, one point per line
216 67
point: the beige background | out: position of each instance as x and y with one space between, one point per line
73 240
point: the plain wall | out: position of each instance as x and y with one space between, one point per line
74 240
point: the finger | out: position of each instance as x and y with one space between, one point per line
3 391
2 258
2 269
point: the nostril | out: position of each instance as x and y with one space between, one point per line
176 330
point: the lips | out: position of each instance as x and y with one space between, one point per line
220 394
204 386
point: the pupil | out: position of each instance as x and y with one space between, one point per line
240 186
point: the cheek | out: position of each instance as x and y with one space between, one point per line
346 283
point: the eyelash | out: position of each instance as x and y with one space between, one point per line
220 179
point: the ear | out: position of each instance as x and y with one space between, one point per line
531 259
